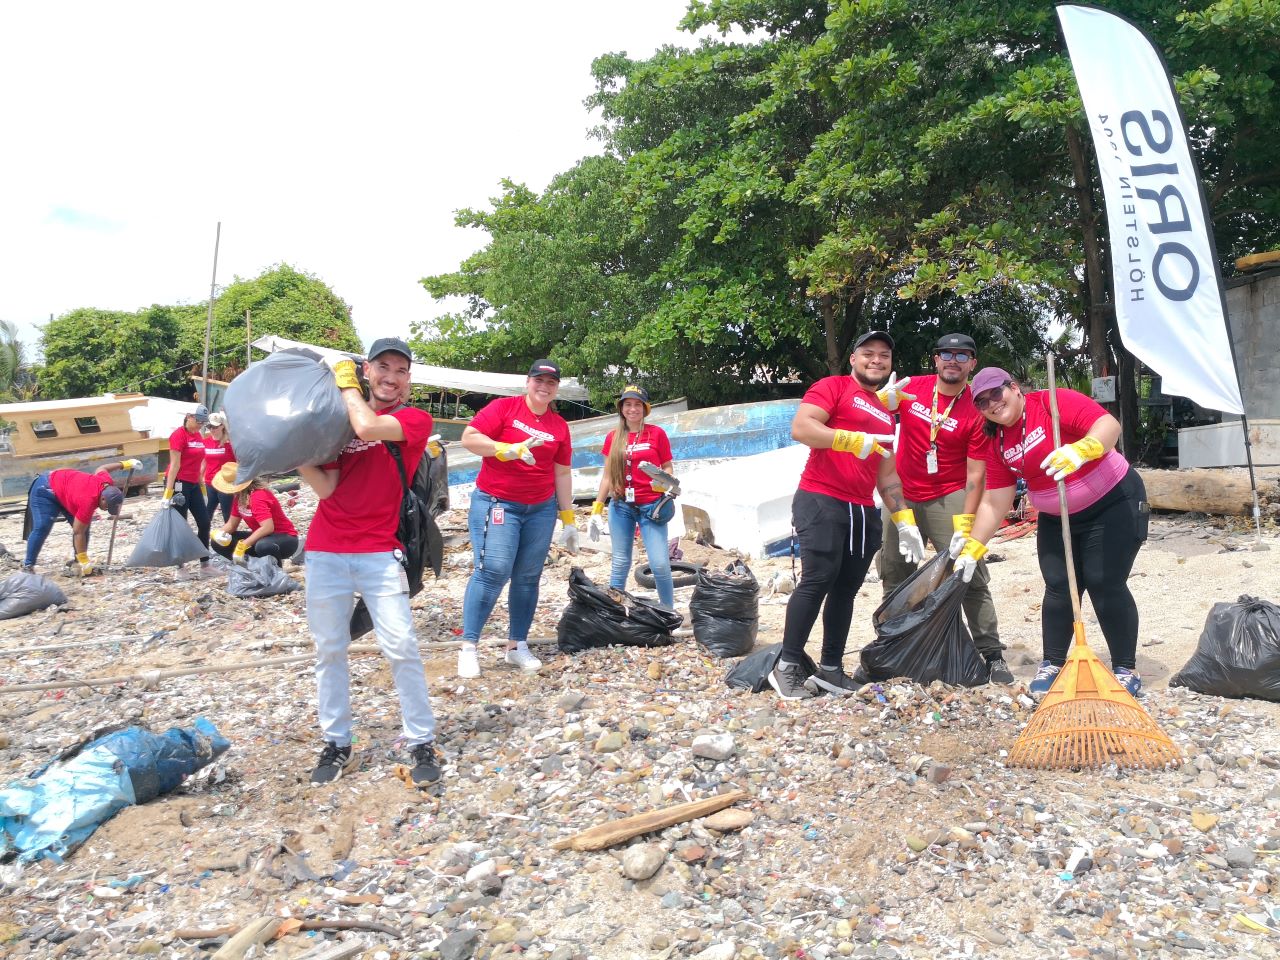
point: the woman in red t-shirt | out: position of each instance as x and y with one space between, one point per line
1106 501
634 494
217 451
271 533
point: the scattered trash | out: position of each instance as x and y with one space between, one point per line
602 616
725 610
752 673
23 593
87 784
258 577
1239 652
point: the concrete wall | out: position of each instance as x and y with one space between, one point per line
1253 303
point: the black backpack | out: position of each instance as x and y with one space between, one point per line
418 533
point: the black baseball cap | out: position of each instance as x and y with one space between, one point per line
873 335
544 368
394 344
957 341
112 498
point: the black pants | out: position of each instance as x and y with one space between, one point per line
197 507
280 546
837 543
222 501
1105 538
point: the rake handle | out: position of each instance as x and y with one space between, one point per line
1062 499
111 542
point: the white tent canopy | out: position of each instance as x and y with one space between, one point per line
447 378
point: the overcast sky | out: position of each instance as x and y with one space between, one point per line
335 137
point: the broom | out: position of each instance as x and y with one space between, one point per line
1088 718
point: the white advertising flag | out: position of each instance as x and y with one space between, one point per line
1168 291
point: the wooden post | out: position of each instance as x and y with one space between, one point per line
248 339
208 324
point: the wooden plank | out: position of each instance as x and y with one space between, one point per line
605 835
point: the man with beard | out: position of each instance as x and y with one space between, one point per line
843 420
941 460
352 547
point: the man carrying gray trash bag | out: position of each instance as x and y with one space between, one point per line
352 547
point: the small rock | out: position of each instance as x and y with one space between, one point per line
1240 856
1203 820
938 773
503 932
718 951
716 746
642 861
611 742
728 820
459 945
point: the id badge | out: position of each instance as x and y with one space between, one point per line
499 515
931 460
630 494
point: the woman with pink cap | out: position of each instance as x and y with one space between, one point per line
1106 501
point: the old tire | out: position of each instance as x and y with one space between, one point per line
682 574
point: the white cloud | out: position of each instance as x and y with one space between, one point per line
336 137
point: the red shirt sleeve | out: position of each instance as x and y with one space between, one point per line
260 506
998 475
822 394
491 418
1079 413
564 449
663 445
979 442
608 442
178 440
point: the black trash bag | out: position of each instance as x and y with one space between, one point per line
753 672
920 633
24 593
725 610
1239 652
259 577
285 412
167 541
601 616
420 538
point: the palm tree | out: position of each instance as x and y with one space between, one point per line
12 357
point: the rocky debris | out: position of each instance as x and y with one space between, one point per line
879 825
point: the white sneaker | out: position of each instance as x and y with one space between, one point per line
523 659
468 662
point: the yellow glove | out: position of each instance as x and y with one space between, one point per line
344 373
892 393
130 464
220 537
86 567
910 543
968 560
204 490
962 524
595 523
861 445
434 447
506 452
241 549
166 498
567 518
1070 457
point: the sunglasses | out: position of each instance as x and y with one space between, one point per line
988 397
960 356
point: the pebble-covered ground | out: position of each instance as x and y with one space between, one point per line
881 825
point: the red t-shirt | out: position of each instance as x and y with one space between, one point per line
1023 452
851 407
509 420
362 515
215 456
264 506
79 491
191 446
959 437
649 445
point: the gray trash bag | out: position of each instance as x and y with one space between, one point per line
285 412
25 593
259 577
167 541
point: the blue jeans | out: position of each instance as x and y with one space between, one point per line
333 580
513 550
46 510
623 518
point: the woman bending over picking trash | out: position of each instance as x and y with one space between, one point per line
1106 501
271 533
636 499
524 480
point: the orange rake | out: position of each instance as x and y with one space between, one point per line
1088 718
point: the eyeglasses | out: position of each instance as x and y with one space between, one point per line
988 397
958 355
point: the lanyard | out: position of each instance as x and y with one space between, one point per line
1021 444
639 439
935 422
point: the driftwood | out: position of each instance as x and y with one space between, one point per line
1224 491
264 928
257 932
605 835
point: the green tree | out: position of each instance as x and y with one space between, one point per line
88 352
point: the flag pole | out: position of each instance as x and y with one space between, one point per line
1258 545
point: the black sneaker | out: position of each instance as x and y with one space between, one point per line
334 762
788 679
832 681
426 765
1000 672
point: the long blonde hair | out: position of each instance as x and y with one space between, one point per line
242 498
616 464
